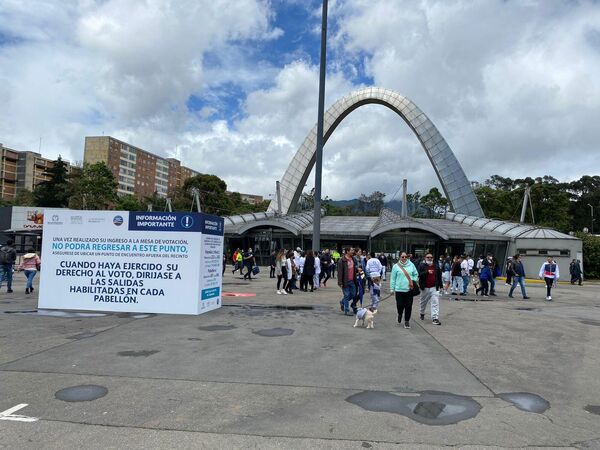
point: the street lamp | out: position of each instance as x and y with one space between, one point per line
592 217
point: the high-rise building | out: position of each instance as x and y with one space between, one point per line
138 172
22 170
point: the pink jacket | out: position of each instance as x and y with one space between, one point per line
30 261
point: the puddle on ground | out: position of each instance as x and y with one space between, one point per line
429 407
594 409
138 353
275 332
82 393
526 401
84 335
55 313
591 322
217 327
275 307
73 314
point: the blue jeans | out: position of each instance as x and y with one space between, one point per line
518 280
492 285
349 294
29 274
6 273
466 279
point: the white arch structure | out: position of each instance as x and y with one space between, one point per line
454 182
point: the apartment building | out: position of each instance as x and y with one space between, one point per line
22 170
138 172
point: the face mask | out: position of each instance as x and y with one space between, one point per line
429 262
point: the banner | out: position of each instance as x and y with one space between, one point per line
152 262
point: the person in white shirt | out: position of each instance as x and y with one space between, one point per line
471 264
549 273
317 271
464 273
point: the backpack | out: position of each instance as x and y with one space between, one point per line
6 256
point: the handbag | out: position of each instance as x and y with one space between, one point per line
414 287
255 270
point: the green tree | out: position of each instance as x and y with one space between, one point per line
95 188
24 198
213 196
55 192
130 202
591 255
435 202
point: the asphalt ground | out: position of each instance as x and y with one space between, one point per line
275 371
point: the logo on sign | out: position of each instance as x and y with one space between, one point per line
187 221
76 220
55 220
118 221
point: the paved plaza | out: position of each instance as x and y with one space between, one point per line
274 371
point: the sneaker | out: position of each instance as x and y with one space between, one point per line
485 295
9 291
526 298
549 298
463 293
436 322
510 296
27 292
422 316
406 324
279 292
492 294
284 292
400 319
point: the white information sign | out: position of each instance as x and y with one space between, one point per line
152 262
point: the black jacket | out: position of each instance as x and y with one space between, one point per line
12 253
422 269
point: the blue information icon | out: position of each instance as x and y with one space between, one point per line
187 222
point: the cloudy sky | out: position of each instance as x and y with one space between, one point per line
230 87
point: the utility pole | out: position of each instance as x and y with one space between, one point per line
524 208
404 198
278 190
592 217
168 206
196 195
316 242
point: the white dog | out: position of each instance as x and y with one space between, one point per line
366 315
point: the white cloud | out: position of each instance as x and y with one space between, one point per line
512 86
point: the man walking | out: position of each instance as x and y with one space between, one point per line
8 256
518 277
248 264
384 262
346 269
430 282
464 273
575 271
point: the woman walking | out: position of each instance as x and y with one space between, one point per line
549 273
280 271
403 280
30 264
308 273
289 269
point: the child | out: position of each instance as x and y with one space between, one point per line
476 282
485 275
375 292
360 288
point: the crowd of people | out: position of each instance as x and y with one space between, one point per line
360 272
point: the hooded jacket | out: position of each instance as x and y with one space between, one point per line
30 261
